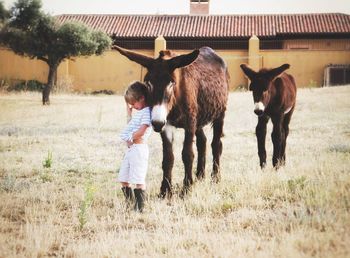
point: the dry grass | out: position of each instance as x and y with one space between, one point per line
74 208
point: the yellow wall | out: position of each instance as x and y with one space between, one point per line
307 66
113 71
110 71
14 67
233 59
317 44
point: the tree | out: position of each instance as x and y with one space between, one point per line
29 32
4 15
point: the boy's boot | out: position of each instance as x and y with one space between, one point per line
140 198
129 197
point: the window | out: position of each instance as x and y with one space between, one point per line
337 75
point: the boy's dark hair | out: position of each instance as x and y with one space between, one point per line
135 91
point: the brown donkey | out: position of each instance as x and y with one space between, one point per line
274 94
186 91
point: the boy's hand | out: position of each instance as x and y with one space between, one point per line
137 136
129 143
137 140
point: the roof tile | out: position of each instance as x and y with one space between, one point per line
217 26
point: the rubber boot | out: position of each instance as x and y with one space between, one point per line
129 197
140 198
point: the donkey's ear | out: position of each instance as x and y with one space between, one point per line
143 60
248 71
183 60
277 71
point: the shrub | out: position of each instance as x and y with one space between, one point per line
4 84
31 85
85 204
64 85
48 161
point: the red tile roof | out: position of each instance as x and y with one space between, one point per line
214 26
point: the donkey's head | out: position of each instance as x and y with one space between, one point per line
260 83
160 79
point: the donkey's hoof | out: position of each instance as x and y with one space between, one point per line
185 191
215 178
164 193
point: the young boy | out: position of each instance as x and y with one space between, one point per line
133 169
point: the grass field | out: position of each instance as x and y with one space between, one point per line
59 196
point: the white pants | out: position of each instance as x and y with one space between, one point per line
134 166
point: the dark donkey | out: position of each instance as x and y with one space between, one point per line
274 93
189 97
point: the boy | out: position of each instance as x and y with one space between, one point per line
133 169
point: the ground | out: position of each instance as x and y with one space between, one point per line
59 195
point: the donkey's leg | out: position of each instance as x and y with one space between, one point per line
187 158
260 132
285 125
276 135
201 142
216 146
168 162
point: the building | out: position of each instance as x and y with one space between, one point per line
309 42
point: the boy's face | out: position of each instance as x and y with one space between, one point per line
138 104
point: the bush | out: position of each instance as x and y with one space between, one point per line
106 92
31 85
4 84
63 85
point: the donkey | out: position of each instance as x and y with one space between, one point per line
186 91
274 94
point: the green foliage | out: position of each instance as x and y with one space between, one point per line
104 41
89 192
4 14
29 32
296 184
48 161
75 39
25 14
31 85
32 33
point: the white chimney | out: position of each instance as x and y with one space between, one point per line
199 7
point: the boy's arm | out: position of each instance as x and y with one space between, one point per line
128 112
126 134
136 136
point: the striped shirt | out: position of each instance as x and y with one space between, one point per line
141 117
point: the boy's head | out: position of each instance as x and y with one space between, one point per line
136 92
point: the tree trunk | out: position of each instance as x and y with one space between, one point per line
50 83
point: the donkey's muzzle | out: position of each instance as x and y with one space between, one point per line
157 126
258 112
259 108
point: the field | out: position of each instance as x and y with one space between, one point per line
59 195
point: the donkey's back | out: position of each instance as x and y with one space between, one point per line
207 77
